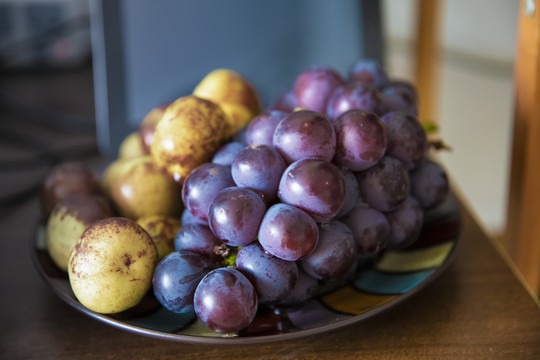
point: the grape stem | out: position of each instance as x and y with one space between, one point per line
228 254
439 144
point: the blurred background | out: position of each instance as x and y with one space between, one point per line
474 88
474 97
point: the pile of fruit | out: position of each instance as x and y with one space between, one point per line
218 207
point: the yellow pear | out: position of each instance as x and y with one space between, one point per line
191 130
237 96
111 266
131 147
162 230
68 220
138 187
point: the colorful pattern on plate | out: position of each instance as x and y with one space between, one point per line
351 301
379 285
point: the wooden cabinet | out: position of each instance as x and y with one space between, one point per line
522 236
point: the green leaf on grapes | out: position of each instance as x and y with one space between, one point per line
430 127
228 253
230 261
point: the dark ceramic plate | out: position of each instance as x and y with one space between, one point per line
382 284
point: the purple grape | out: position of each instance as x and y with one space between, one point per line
405 224
354 96
176 277
288 232
384 186
314 185
369 72
304 289
272 278
260 130
361 139
225 301
259 167
334 255
400 96
313 87
227 153
235 215
330 285
241 136
370 228
352 192
407 139
429 184
202 185
305 134
285 103
188 218
199 239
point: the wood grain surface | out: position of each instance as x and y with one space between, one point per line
522 238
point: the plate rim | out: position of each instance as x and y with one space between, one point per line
235 340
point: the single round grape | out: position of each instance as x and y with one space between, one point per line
260 130
303 134
272 278
225 301
176 277
334 284
361 263
227 153
202 185
354 96
235 215
314 86
384 186
285 103
369 72
352 192
334 255
429 184
199 239
288 232
407 139
315 186
405 224
259 167
400 96
188 218
304 289
361 139
370 228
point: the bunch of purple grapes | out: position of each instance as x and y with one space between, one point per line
309 197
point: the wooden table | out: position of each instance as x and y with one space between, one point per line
477 309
